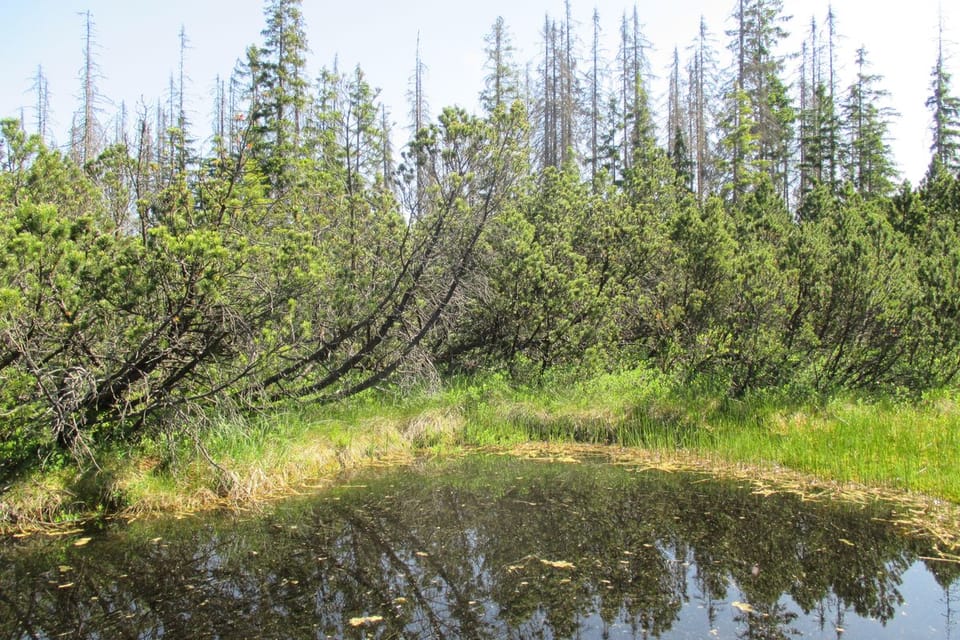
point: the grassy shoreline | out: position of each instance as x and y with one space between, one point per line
906 450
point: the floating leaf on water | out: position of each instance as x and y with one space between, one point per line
558 564
66 586
156 540
846 542
64 568
422 554
82 542
742 606
365 620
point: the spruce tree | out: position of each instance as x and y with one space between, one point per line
279 97
595 96
945 109
870 166
501 85
703 94
819 121
638 126
758 102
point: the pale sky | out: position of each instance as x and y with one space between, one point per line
138 46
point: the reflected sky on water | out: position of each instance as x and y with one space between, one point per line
492 547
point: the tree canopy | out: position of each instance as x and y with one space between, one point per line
148 283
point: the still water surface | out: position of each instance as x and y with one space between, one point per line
492 547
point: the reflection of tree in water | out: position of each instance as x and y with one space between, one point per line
563 552
947 575
768 622
951 593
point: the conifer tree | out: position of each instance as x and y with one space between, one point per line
677 128
702 88
501 85
280 88
419 115
831 117
819 120
180 139
419 109
675 116
870 167
595 96
550 97
945 108
569 90
85 138
739 143
638 127
759 120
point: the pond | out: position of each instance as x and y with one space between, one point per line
492 547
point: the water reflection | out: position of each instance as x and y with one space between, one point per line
492 548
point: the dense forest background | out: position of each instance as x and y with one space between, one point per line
157 272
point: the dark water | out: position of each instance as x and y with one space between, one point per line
492 548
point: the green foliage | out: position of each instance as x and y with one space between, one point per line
542 265
819 141
945 107
870 167
935 238
144 292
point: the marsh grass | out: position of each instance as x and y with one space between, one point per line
907 446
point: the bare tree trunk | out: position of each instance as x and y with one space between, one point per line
833 150
85 142
419 120
595 98
42 108
701 114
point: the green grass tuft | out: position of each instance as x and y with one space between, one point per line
890 443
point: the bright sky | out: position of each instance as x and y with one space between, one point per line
138 47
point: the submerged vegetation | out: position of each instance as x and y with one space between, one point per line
238 320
